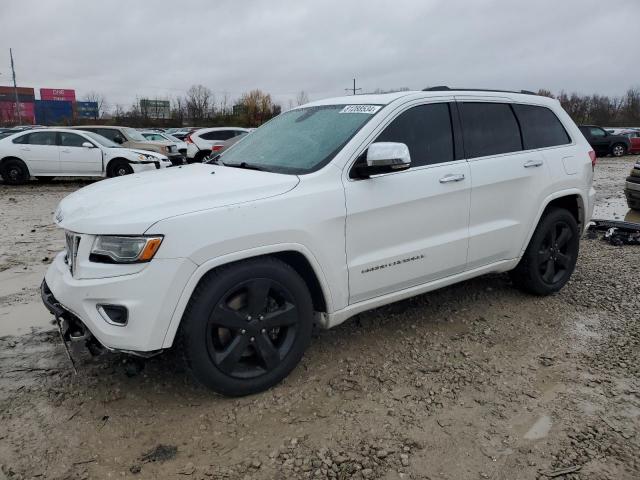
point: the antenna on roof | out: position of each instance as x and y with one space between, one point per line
354 89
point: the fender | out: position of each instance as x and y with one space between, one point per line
209 265
562 193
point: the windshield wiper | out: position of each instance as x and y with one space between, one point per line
247 166
215 160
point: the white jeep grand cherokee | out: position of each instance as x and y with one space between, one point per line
330 209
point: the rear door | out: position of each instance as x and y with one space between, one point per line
76 159
40 152
508 182
410 227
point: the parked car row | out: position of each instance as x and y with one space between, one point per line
101 150
57 152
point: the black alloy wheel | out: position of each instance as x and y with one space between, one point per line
247 325
551 256
252 328
554 256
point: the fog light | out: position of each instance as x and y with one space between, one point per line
114 314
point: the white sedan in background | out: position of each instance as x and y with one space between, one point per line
200 143
59 152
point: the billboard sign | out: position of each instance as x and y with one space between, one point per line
58 94
87 110
155 108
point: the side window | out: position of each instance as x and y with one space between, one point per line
22 139
218 135
426 130
71 140
489 129
109 133
597 132
42 138
540 127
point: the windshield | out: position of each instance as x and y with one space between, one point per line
171 138
300 141
134 135
105 142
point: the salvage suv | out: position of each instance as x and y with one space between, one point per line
330 209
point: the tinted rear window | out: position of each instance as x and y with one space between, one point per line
540 127
218 135
489 129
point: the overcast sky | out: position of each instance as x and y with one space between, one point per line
129 49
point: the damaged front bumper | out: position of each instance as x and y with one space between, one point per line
73 331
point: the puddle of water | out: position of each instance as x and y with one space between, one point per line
21 318
24 311
540 429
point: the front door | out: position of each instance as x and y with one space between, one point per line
76 159
409 227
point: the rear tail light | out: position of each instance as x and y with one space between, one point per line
187 139
216 148
592 156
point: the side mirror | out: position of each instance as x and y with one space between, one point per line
119 140
88 145
383 157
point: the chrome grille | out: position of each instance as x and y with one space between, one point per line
72 242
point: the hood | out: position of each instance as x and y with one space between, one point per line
129 205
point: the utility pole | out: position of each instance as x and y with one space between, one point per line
354 89
15 89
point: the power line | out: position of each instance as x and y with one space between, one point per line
353 89
15 88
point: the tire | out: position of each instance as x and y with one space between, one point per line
246 326
119 168
619 150
201 155
14 172
551 255
45 179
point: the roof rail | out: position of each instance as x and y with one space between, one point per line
444 88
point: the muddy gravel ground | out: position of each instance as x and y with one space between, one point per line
475 381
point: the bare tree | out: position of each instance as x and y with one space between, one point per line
302 98
199 100
100 100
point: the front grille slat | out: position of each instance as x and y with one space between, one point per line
72 242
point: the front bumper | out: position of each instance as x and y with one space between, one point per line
150 297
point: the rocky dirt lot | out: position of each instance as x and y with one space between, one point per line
475 381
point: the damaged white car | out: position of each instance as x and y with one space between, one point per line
59 152
330 209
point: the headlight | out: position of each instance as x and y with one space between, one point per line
143 158
116 249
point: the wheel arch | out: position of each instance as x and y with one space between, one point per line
112 161
296 256
12 157
572 200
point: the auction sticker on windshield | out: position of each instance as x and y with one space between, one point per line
370 109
